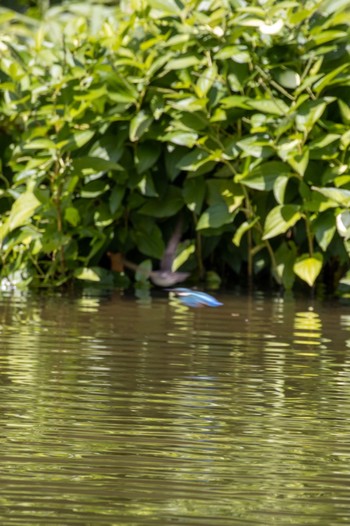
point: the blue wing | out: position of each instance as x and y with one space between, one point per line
193 298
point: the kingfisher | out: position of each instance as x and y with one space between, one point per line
194 298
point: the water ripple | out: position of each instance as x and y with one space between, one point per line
121 412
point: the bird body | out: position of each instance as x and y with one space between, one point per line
194 298
164 278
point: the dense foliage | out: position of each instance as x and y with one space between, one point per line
115 120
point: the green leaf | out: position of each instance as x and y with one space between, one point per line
22 210
263 177
272 106
168 7
255 146
343 224
87 274
182 63
345 111
116 198
215 216
288 78
280 219
139 125
72 215
285 256
324 228
308 267
172 156
188 104
94 188
327 79
90 165
181 138
193 193
40 144
235 101
149 241
242 229
299 162
77 140
337 196
279 188
309 113
329 7
146 186
143 271
194 160
102 216
165 206
184 253
146 156
236 53
206 80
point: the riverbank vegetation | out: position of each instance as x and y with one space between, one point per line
116 120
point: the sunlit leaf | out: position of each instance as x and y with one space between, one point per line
147 187
288 78
279 188
242 229
206 80
184 253
263 177
299 161
77 140
328 7
273 106
40 144
280 219
182 62
345 111
234 52
328 79
22 210
255 146
309 113
308 268
192 161
138 125
338 196
343 224
87 274
181 138
235 101
168 7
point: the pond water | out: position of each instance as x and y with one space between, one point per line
117 411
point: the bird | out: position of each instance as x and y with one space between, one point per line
165 277
194 298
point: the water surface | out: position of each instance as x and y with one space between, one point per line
117 411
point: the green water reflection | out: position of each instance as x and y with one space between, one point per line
122 412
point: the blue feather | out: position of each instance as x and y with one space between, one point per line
193 298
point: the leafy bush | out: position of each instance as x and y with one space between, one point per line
115 120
